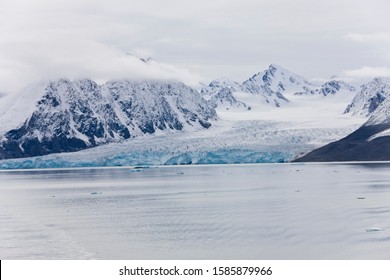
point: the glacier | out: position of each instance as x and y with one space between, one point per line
225 123
229 142
153 158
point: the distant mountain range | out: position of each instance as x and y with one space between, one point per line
67 116
329 88
275 85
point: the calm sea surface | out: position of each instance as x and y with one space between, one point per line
264 211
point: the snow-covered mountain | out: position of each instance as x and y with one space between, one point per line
272 85
224 99
331 87
370 96
276 84
220 84
65 116
381 115
220 94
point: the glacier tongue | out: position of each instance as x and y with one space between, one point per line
228 143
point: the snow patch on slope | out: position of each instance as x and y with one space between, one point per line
381 115
383 133
16 108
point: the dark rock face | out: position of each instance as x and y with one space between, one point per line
274 82
225 97
331 87
71 116
274 85
355 147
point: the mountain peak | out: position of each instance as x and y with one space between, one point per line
274 66
277 79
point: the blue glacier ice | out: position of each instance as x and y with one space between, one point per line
150 158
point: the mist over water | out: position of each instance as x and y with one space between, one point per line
264 211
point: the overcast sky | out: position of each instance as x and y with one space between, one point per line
194 40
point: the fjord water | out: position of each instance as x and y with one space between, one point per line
264 211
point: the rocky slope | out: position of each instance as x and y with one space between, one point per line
370 96
331 87
66 116
370 142
275 85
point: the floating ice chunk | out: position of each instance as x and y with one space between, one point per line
374 229
93 193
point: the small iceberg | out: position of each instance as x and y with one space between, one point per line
374 229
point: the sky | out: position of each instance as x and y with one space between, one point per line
193 40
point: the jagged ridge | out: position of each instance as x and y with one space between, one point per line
370 96
273 85
329 88
70 116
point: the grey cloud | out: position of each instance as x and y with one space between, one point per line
46 39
